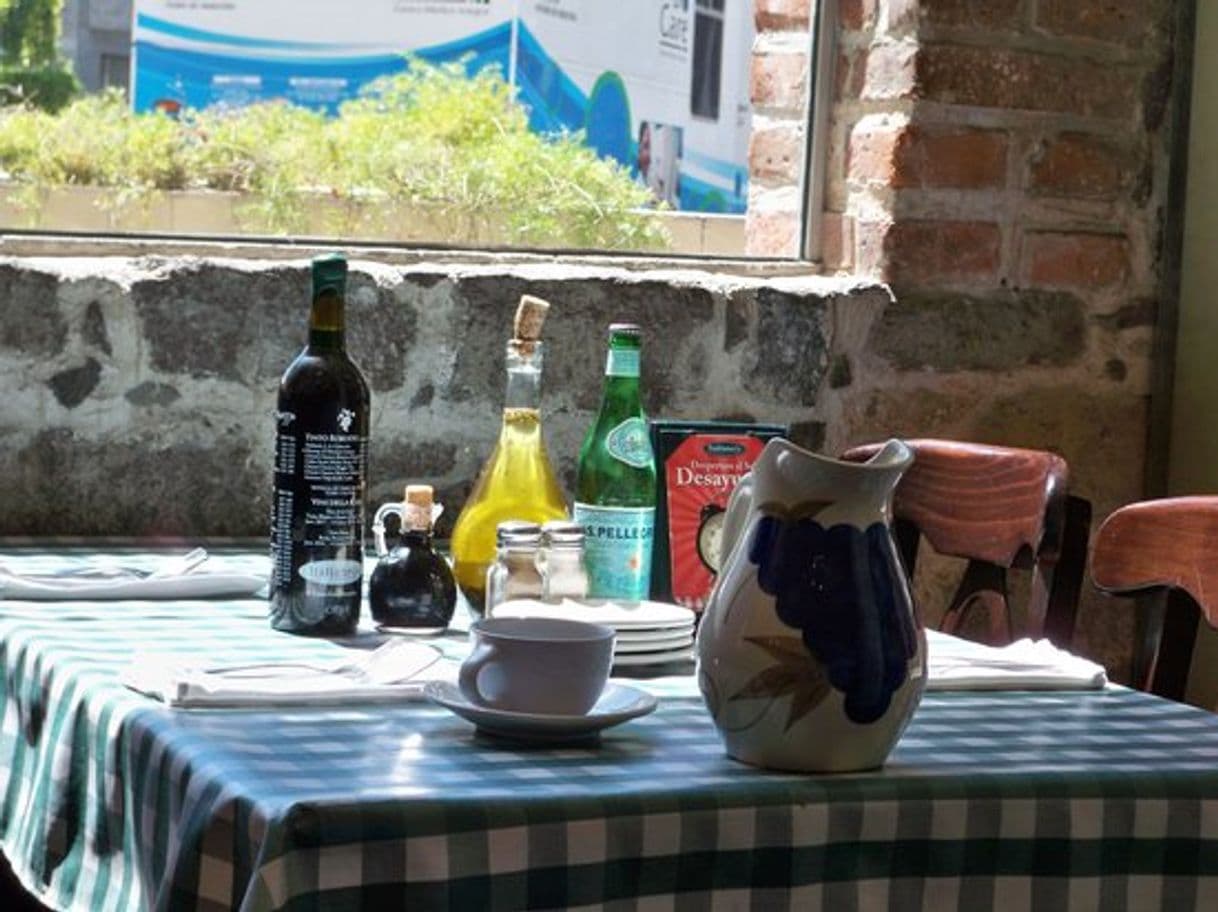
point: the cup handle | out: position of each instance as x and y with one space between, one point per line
378 525
467 677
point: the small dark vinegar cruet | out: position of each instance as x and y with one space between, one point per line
412 588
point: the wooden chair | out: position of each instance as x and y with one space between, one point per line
998 508
1165 552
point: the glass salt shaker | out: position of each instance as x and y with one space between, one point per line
561 561
514 575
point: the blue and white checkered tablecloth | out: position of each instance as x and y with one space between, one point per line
1068 800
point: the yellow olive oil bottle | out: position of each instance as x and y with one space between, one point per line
517 481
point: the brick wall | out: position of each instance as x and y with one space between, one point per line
778 82
1003 166
970 143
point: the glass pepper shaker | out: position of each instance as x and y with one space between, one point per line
561 561
514 575
412 588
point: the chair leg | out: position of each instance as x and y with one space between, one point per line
1064 580
984 585
1172 653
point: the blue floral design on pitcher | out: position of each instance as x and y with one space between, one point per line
844 589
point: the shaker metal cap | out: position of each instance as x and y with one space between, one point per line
562 532
629 329
518 532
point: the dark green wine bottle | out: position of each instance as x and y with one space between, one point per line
615 490
321 465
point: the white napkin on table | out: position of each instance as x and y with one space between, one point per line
956 664
176 578
396 671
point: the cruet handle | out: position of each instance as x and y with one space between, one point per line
378 524
389 509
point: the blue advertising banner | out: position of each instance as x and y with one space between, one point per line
658 85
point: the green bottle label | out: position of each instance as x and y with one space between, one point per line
622 362
628 443
617 550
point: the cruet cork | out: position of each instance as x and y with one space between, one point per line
416 513
530 316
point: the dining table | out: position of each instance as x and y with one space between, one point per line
1102 799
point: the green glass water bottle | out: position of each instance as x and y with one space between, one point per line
615 491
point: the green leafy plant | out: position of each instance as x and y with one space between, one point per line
31 70
48 86
431 144
29 31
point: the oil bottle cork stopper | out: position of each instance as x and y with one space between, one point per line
530 316
416 512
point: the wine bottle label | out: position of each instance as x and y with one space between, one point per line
317 518
622 362
332 572
617 549
629 443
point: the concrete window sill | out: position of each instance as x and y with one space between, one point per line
204 213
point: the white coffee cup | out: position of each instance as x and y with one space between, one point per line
537 665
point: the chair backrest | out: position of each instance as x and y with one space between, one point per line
997 508
1164 552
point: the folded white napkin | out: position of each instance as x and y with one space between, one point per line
175 578
956 664
393 672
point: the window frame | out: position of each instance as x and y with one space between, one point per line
822 46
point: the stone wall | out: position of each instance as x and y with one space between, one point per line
139 391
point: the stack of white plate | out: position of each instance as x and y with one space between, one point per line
648 633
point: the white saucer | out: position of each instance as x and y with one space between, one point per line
617 704
624 659
643 615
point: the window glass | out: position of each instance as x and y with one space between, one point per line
521 123
708 59
115 71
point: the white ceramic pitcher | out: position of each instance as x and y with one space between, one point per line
810 654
